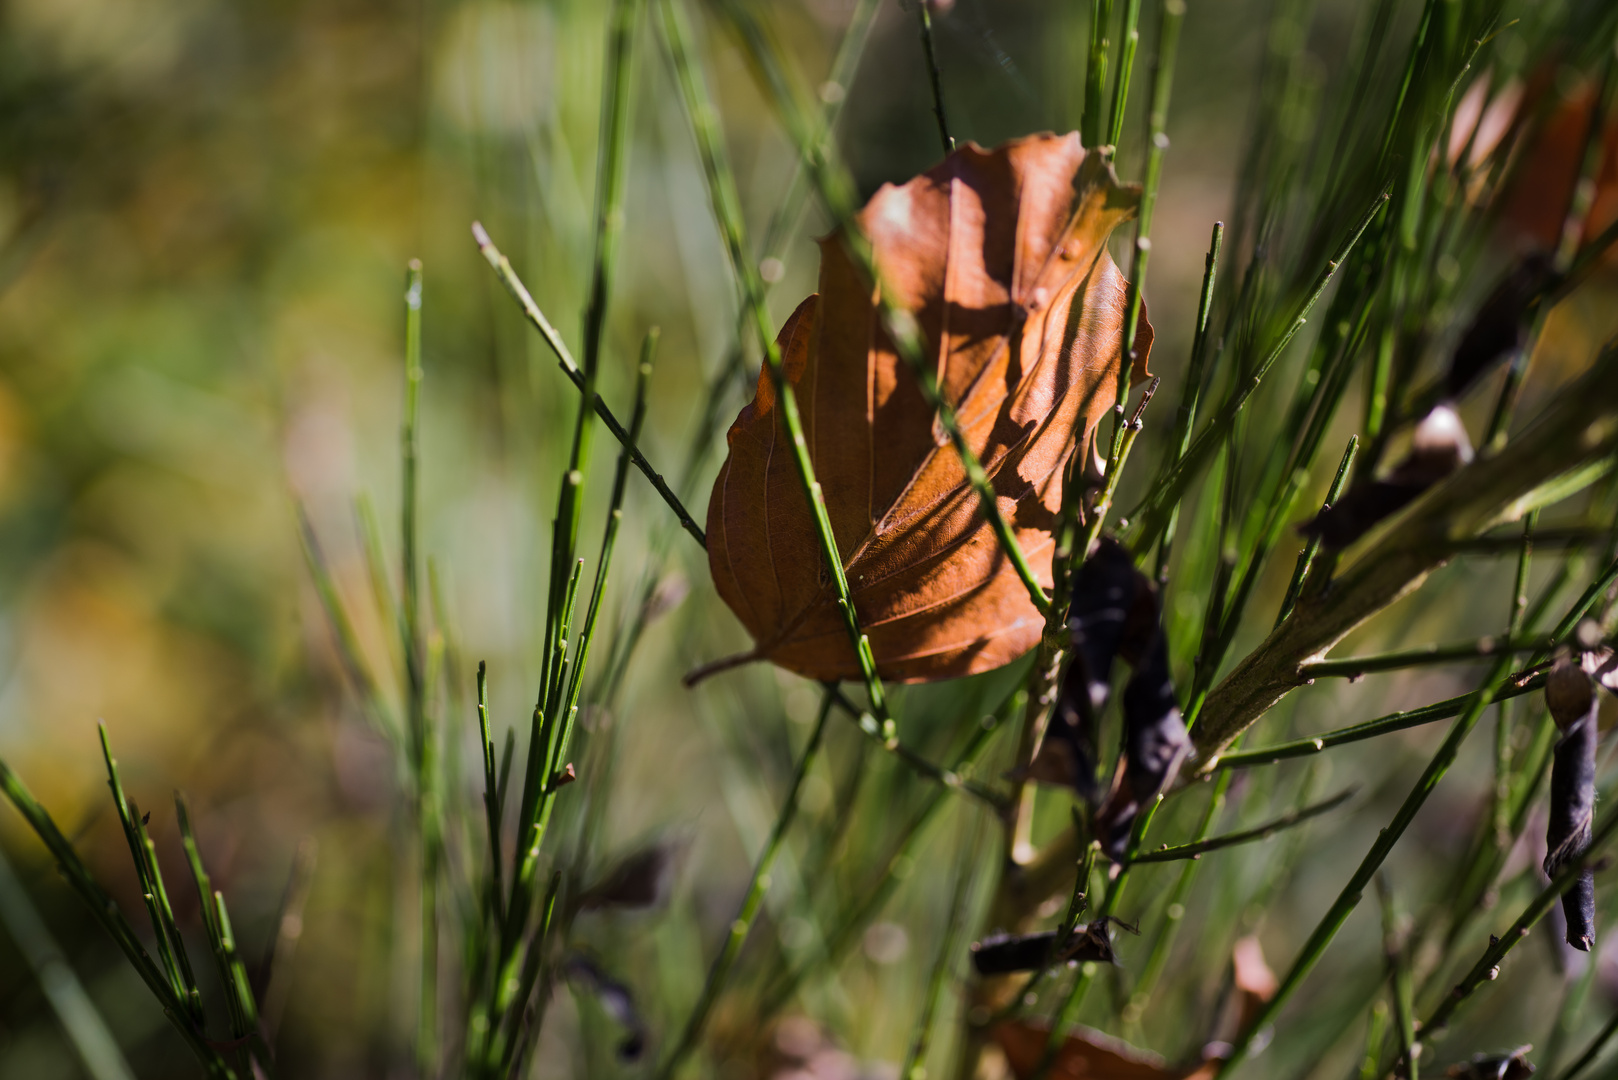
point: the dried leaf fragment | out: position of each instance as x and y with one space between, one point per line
1000 257
1088 1054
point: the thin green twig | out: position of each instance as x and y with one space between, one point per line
536 318
1170 487
1246 836
925 15
1523 683
1352 667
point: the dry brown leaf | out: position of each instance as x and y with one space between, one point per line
1086 1054
1000 255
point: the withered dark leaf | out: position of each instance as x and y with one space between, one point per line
1111 612
1086 1053
1501 322
1000 255
641 879
1155 745
1005 954
1114 614
1513 1065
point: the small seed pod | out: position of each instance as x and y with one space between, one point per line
1112 613
1512 1066
642 879
1570 696
1501 321
615 998
1155 745
1007 954
1438 447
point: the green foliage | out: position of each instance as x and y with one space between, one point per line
1372 219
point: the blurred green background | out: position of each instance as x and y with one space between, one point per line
205 213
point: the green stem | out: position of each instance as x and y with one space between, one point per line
1069 1011
1487 967
1157 142
1185 418
1126 62
1352 667
1171 486
924 14
1350 896
536 318
949 952
727 212
105 912
1306 557
491 799
1398 964
914 760
1173 911
1092 124
423 756
546 724
1593 1051
742 925
850 924
169 947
